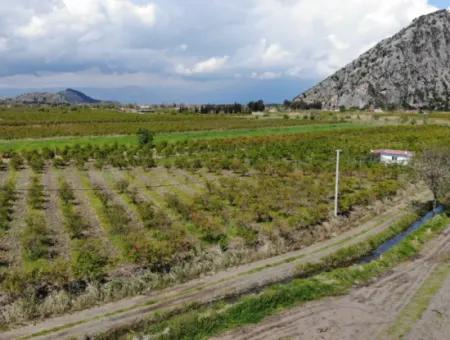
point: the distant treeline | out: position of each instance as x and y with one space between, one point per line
301 105
253 106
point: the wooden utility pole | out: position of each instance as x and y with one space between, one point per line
336 195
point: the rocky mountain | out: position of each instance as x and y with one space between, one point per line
410 69
69 96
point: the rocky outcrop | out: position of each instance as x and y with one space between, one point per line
410 69
69 96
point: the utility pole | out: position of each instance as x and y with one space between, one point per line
336 195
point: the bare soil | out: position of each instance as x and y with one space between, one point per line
3 177
53 214
17 224
107 179
85 208
435 321
367 312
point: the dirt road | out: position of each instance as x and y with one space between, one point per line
227 283
370 312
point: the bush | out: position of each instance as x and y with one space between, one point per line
153 218
122 186
179 206
88 261
66 193
145 137
36 163
35 238
16 162
36 198
7 197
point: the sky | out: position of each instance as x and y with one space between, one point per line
190 51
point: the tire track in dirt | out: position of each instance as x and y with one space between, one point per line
435 321
363 314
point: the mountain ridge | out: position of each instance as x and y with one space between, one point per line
68 97
410 69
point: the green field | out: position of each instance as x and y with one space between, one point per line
129 140
209 192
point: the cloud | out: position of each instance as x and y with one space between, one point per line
206 66
266 75
207 42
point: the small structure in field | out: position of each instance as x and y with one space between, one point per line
400 157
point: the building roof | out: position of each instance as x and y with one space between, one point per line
393 152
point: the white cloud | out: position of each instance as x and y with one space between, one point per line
175 39
206 66
274 54
78 16
266 75
323 35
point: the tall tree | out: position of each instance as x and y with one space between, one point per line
433 167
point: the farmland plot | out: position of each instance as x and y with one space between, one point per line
92 224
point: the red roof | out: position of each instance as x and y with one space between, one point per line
393 152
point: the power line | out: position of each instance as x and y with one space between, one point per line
112 189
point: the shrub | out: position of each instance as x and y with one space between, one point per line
153 218
66 193
88 261
145 137
7 197
175 203
36 197
35 238
36 163
122 186
16 162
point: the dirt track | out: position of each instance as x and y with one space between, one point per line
227 283
367 312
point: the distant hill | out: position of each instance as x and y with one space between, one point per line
410 69
68 96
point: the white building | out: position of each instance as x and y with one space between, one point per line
394 156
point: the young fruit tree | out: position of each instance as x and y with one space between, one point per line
433 167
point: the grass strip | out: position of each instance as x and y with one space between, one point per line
212 320
40 143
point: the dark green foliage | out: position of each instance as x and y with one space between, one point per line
145 137
66 193
174 202
36 197
122 186
7 198
257 106
153 217
35 238
16 162
88 260
36 163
